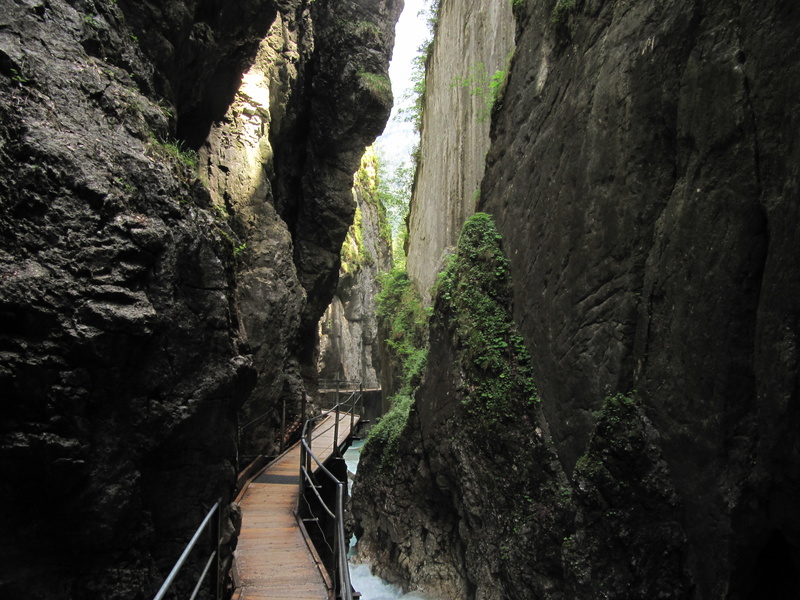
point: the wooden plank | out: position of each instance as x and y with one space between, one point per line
273 558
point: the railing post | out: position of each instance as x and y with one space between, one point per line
336 423
308 453
355 403
302 466
283 425
337 559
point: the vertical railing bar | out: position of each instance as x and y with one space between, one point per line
337 558
283 425
336 423
302 465
345 585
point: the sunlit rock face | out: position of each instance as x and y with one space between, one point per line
348 331
644 184
238 163
281 164
144 310
474 42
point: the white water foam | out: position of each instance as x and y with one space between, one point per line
370 586
375 588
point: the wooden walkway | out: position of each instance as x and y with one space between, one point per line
273 559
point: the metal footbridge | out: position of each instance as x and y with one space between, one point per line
275 558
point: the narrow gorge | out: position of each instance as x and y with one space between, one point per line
642 179
588 350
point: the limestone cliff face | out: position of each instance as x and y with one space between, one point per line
349 344
139 305
281 164
645 190
643 182
473 41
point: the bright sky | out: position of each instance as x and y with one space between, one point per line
399 138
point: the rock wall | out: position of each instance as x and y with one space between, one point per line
121 366
652 172
643 181
145 313
348 331
473 41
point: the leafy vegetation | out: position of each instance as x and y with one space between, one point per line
617 427
389 429
485 86
616 416
405 319
17 77
378 85
394 194
415 97
474 296
561 11
400 311
368 178
176 150
354 254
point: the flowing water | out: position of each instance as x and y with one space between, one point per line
370 586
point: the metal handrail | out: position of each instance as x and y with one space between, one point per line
340 550
186 551
342 569
341 384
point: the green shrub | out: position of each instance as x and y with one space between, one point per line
473 295
389 429
177 151
405 319
484 86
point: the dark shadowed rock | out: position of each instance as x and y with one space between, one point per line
132 328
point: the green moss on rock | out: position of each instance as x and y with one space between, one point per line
405 319
474 294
